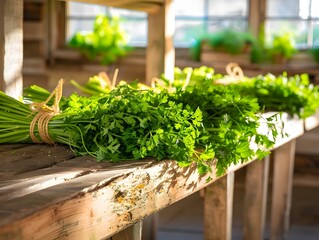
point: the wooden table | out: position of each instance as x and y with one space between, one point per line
219 195
48 193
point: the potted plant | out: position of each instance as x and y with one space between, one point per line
223 47
282 48
107 42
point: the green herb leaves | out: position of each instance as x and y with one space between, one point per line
199 122
132 124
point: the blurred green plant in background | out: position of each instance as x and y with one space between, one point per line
107 42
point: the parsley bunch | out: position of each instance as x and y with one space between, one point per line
294 95
121 125
230 125
132 124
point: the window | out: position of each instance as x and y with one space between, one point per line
80 17
299 17
191 19
208 16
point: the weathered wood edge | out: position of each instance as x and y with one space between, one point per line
312 121
102 209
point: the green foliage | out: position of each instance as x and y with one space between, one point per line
230 41
294 95
96 85
108 40
133 124
202 123
283 46
230 124
314 52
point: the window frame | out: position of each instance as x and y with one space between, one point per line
58 26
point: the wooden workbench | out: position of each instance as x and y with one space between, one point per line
48 193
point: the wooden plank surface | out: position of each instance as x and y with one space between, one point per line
31 157
96 203
11 47
312 121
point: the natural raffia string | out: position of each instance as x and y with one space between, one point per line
44 114
234 71
234 74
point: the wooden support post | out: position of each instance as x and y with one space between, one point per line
219 208
131 233
160 55
256 16
11 46
150 225
256 188
284 158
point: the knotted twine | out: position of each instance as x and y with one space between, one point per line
44 114
234 74
234 71
170 88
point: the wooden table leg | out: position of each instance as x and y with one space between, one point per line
256 188
284 158
219 208
150 227
133 232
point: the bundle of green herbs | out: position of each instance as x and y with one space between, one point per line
190 119
295 95
124 124
292 94
199 123
231 125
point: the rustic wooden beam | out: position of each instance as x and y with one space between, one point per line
219 208
257 15
11 47
256 188
160 55
284 158
139 5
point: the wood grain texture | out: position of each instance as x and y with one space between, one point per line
284 157
97 205
218 209
256 188
31 157
160 54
